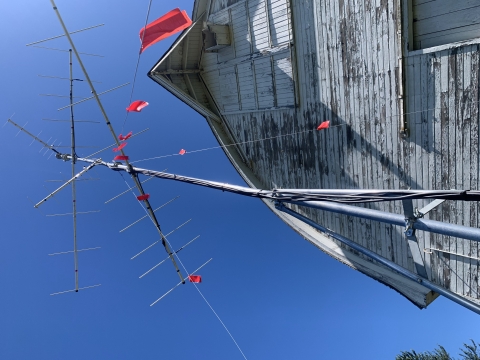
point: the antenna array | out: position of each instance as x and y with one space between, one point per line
72 156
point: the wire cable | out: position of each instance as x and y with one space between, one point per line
188 273
234 144
138 62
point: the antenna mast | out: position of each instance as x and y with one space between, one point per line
133 175
74 155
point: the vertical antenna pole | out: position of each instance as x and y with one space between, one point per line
110 127
74 193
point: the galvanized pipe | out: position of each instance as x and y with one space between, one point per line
391 265
437 227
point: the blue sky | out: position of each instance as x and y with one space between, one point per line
280 297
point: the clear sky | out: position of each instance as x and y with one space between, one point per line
280 297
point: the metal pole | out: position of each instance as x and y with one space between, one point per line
74 192
437 227
110 127
67 183
391 265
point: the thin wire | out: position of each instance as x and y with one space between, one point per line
138 62
234 144
218 317
201 294
302 132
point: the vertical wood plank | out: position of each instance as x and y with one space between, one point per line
474 166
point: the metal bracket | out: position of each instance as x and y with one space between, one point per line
425 210
410 218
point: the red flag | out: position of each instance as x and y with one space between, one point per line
120 157
195 278
123 138
143 197
165 26
137 106
182 152
120 147
324 125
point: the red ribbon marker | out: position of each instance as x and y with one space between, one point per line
172 22
137 106
120 157
143 197
324 125
182 152
195 278
117 149
123 138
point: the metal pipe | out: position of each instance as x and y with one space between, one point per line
73 155
437 227
391 265
114 135
67 183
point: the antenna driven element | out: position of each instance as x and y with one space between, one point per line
144 217
75 213
75 121
126 191
63 50
45 145
92 97
75 290
66 184
59 36
72 251
169 291
163 239
161 262
62 96
62 78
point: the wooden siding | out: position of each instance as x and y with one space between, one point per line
442 100
444 21
343 60
348 72
255 72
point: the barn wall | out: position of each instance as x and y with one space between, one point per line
442 22
294 64
443 117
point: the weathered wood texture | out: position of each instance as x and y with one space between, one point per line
347 72
256 71
439 22
294 64
442 102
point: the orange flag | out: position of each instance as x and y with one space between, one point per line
324 125
172 22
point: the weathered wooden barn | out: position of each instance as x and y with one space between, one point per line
399 81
